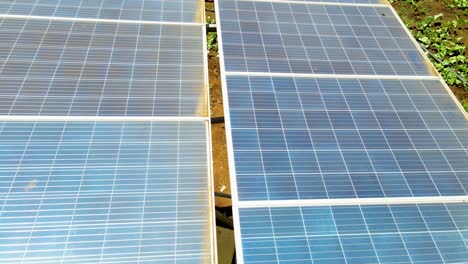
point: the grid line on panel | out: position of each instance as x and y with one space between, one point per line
84 62
274 239
386 140
437 144
179 11
3 124
48 221
55 70
262 105
367 153
364 233
112 196
263 167
77 228
79 191
147 166
121 135
43 193
398 231
393 58
83 67
177 192
364 3
406 233
445 173
335 34
281 122
99 20
109 65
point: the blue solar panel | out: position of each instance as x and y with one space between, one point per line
50 67
104 192
282 37
315 120
83 189
304 138
187 11
406 233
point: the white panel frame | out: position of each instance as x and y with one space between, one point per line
334 76
354 201
229 144
207 111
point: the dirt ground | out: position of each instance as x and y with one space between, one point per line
220 161
218 132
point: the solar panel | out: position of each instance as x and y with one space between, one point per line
104 152
305 138
55 67
282 37
186 11
107 192
345 145
404 233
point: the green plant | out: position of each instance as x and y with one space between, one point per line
465 104
212 43
440 39
212 40
462 4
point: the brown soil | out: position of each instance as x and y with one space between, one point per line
218 132
424 8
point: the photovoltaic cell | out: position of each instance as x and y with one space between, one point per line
282 37
100 191
185 11
104 192
305 138
52 67
315 141
406 233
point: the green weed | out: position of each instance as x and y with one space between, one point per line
461 4
440 39
212 41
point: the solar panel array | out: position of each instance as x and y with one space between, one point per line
345 144
104 138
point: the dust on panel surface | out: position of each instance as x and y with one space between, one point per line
108 192
51 67
183 11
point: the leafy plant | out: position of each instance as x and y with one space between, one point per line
212 41
462 4
440 39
